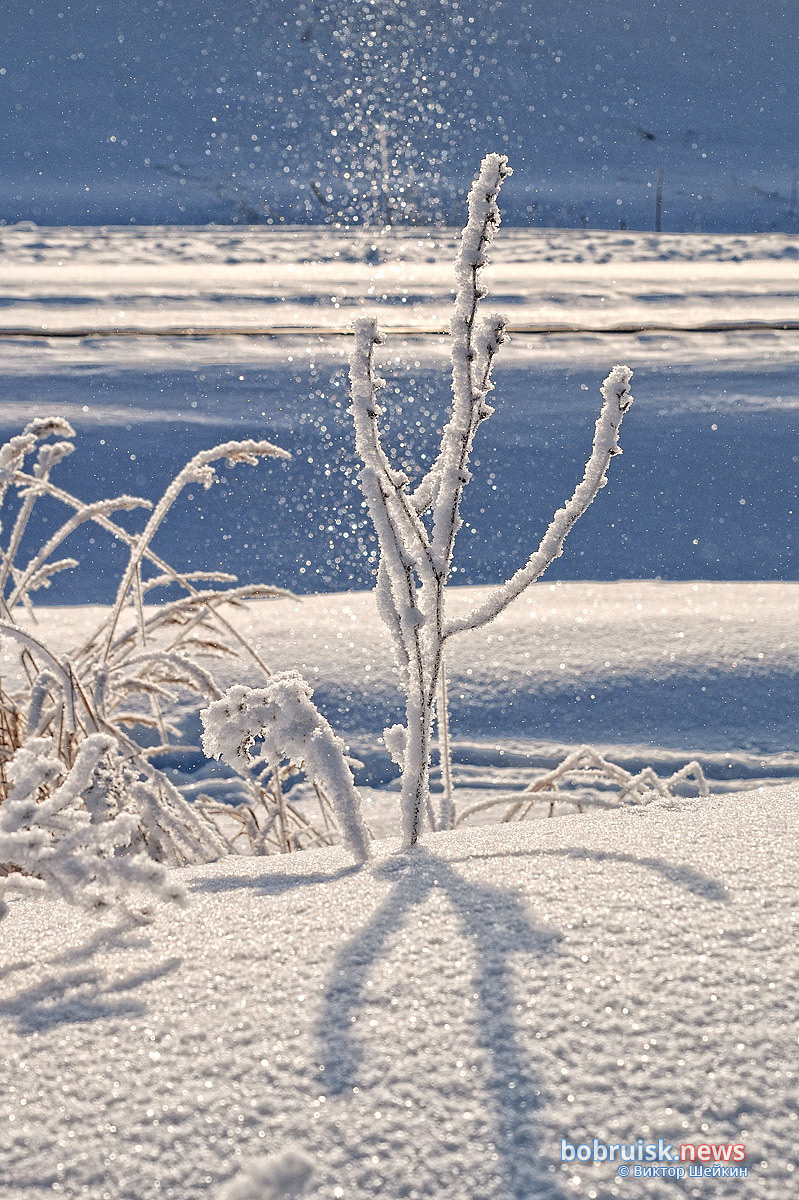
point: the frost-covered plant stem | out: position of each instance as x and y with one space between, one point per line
447 814
415 556
284 719
197 470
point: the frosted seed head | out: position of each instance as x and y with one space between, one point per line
43 427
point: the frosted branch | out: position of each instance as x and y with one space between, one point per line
616 401
416 549
448 475
390 493
61 672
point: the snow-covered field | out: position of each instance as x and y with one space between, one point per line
226 281
435 1025
706 488
322 110
428 1027
651 673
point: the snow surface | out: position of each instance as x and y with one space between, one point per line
280 1176
431 1025
260 110
651 673
212 280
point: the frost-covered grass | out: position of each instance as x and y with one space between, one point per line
86 811
649 673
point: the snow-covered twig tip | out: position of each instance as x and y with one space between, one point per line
617 399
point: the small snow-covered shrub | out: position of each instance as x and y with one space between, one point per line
417 524
284 719
55 836
85 809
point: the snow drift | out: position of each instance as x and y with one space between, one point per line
431 1025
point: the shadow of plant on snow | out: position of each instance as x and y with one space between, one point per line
498 926
87 993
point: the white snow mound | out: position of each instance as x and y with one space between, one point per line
432 1024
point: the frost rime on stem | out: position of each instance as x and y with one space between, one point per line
617 399
50 841
415 557
283 716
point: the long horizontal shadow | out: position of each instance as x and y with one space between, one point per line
272 883
79 997
275 331
679 874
